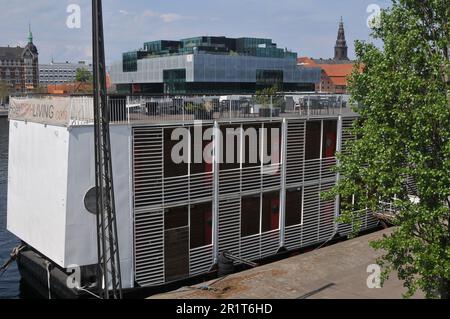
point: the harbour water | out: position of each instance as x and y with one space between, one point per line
10 281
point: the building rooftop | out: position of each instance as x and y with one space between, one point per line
221 45
10 53
337 71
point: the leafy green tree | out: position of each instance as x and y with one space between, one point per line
267 95
41 89
83 76
404 131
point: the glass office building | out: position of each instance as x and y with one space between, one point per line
215 65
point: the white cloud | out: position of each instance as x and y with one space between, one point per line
126 13
170 17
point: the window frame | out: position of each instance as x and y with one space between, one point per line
302 203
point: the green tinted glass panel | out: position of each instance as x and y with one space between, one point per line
269 77
174 81
130 62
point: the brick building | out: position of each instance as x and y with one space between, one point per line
19 67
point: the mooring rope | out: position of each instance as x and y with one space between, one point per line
13 256
48 264
89 292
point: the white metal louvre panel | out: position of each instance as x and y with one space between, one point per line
326 217
251 247
294 173
293 237
367 221
271 178
200 187
251 179
347 124
270 243
147 167
310 214
200 260
148 192
229 181
175 190
326 171
149 247
230 225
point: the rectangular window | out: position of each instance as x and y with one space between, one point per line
129 62
201 225
231 138
250 215
312 146
171 166
251 147
201 162
269 77
270 211
272 143
329 138
176 217
176 243
293 207
174 81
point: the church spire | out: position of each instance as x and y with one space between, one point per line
30 34
340 50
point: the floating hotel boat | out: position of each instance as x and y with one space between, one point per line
173 219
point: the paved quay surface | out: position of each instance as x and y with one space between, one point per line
333 272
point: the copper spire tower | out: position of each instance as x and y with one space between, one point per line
340 50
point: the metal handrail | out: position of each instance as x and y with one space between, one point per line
182 108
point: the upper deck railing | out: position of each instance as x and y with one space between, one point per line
78 110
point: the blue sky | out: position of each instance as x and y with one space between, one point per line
308 27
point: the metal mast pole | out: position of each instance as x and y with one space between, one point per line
109 280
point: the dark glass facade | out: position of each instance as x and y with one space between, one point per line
268 78
174 81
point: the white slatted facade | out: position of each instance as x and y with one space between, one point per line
148 212
230 225
153 193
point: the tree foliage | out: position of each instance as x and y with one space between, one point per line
404 131
267 96
83 76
